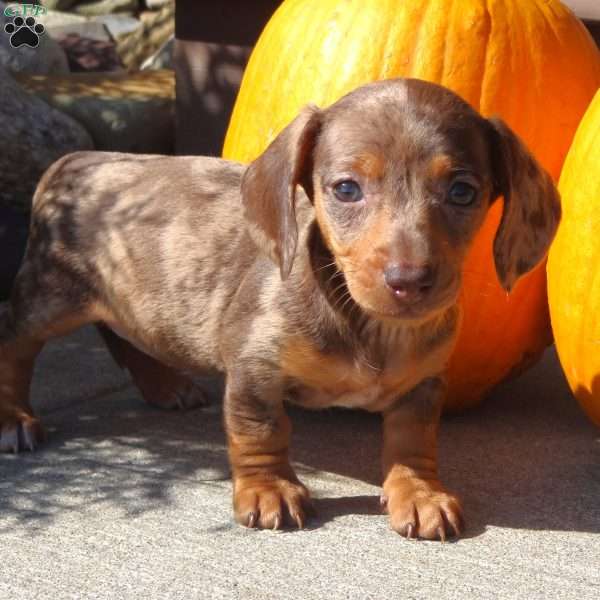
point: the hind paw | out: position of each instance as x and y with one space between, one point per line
186 396
25 434
173 393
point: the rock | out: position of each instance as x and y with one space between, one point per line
162 58
126 112
32 136
47 57
119 25
59 25
89 30
105 7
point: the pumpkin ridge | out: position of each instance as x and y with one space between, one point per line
387 53
586 326
444 61
487 21
425 6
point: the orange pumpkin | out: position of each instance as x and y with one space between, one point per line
574 266
533 63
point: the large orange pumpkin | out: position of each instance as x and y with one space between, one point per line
574 266
531 62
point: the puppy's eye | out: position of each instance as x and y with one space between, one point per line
462 193
348 191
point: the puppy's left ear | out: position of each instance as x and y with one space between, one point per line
531 206
269 188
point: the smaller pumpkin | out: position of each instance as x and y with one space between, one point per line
574 266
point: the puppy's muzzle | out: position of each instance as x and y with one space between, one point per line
409 283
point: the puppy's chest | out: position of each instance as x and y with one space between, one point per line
356 379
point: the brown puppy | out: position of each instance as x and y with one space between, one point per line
326 273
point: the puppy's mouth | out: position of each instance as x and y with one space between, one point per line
384 304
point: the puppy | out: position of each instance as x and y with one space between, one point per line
326 273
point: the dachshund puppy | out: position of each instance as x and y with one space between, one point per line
325 273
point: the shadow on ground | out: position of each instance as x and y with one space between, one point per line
527 459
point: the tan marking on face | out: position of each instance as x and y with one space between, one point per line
372 245
369 165
439 166
363 259
364 262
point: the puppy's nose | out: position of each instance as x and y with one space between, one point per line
408 282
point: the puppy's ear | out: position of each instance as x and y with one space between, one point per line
269 188
531 206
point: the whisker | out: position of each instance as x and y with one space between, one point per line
363 359
348 299
340 287
343 298
331 264
332 277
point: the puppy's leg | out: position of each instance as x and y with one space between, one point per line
159 384
47 301
25 325
416 501
266 491
19 428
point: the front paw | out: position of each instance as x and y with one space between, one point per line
271 503
422 509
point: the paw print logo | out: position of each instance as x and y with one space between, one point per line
24 32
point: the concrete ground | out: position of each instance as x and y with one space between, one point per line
127 501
